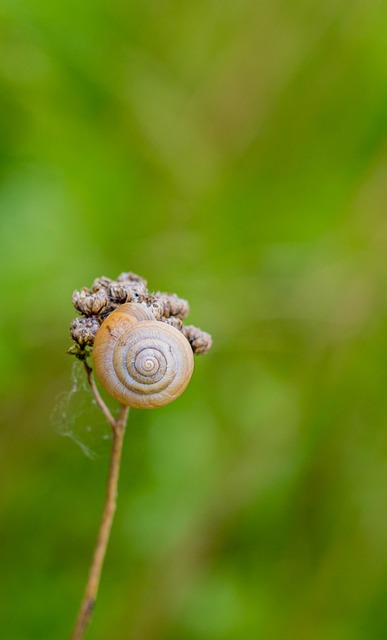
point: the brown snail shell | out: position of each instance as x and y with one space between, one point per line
141 362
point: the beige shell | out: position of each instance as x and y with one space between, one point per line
141 362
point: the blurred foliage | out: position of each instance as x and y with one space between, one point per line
234 152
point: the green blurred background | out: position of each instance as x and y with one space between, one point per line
236 153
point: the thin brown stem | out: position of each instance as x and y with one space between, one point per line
97 396
91 590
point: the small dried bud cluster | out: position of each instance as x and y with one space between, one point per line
105 295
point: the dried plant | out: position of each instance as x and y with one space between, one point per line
143 356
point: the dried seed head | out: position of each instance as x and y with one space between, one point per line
106 295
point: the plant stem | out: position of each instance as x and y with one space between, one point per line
91 590
98 399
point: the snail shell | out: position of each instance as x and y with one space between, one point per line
141 362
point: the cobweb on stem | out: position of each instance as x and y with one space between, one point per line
71 409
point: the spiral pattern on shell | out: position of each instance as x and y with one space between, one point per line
141 362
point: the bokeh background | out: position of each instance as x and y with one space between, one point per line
236 153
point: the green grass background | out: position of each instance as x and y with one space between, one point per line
234 152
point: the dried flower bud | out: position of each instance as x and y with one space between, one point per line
91 303
101 283
174 322
173 305
120 292
156 308
83 330
128 276
199 340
